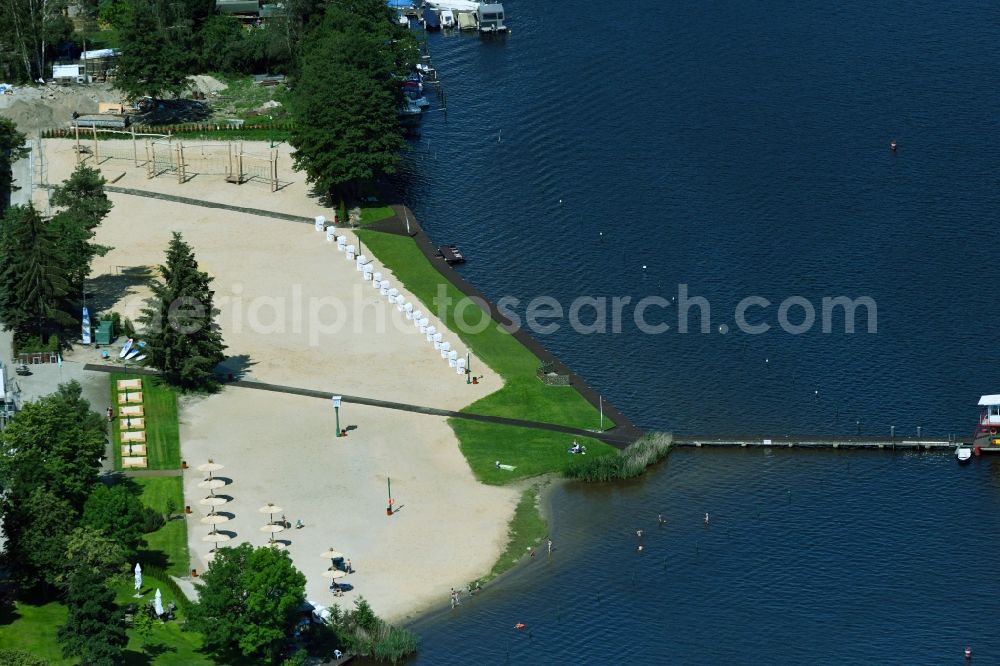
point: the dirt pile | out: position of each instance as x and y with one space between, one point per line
40 107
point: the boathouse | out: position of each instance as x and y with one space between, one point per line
491 18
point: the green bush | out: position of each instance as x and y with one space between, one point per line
151 521
629 463
367 635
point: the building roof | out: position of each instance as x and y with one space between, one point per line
990 400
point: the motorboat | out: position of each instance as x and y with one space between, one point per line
963 453
432 21
447 19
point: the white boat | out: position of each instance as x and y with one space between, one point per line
403 20
447 19
963 453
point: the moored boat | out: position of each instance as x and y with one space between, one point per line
987 435
963 453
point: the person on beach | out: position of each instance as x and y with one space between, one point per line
299 524
347 566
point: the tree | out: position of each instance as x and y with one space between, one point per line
94 630
118 515
155 47
13 146
49 458
249 602
87 548
345 102
33 283
29 28
55 444
183 339
84 205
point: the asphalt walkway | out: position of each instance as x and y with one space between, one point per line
616 437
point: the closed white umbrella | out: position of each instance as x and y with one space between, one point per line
158 603
138 577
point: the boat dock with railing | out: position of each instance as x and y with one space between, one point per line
820 442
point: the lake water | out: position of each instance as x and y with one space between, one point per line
742 149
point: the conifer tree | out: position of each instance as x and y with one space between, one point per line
33 284
84 205
12 148
182 337
94 630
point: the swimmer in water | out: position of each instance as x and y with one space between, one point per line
706 518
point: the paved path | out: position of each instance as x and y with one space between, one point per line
210 204
615 437
142 473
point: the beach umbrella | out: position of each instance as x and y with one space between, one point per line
158 603
334 573
211 484
216 537
209 467
277 545
213 501
214 519
273 528
332 554
270 509
138 577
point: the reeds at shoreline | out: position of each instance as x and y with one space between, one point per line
629 463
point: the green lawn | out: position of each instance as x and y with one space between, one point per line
526 532
523 396
167 644
370 214
33 629
166 547
531 452
159 402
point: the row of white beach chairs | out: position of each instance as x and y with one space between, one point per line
366 267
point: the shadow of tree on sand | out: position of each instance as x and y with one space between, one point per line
104 291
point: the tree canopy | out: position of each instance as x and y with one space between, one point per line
118 515
248 604
49 457
94 629
84 205
13 146
347 96
155 57
183 339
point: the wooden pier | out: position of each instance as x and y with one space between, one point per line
793 442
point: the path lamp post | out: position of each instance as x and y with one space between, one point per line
468 367
336 410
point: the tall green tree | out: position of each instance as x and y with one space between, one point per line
248 604
87 548
30 28
84 205
94 630
155 57
49 459
13 146
347 96
117 514
182 337
33 284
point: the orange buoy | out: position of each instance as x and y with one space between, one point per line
519 625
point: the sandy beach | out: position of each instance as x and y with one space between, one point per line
293 311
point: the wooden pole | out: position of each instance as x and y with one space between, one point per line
274 170
150 161
135 152
180 162
76 133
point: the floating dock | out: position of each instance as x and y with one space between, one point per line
790 442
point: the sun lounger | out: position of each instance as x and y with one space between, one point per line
133 436
130 410
133 450
130 397
124 384
132 423
133 461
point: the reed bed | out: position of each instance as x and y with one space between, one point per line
628 464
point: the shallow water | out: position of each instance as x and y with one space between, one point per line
810 557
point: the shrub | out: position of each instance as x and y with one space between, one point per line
151 521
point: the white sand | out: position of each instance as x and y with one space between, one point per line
302 316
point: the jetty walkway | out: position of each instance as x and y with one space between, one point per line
818 442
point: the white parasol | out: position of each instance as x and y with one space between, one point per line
211 484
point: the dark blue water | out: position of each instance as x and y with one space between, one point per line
742 149
810 558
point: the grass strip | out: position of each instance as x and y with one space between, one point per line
159 403
166 547
525 533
